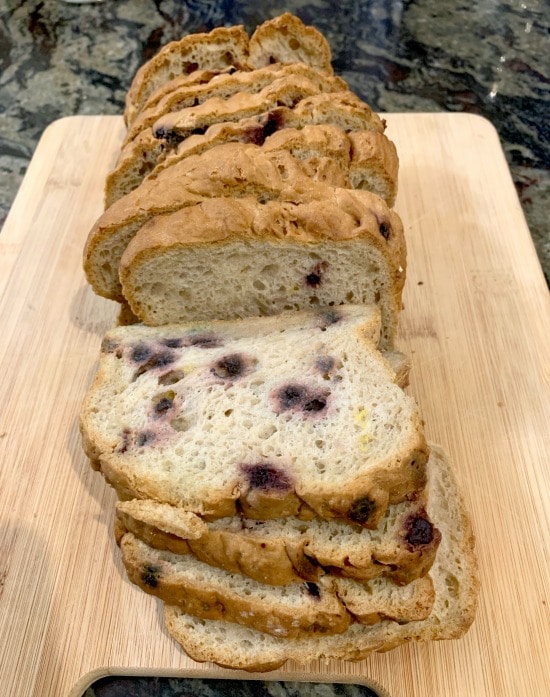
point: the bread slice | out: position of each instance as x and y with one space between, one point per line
284 92
222 47
363 159
454 575
241 257
289 550
226 85
328 606
140 156
292 415
284 39
232 170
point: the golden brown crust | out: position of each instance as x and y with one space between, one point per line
221 47
276 39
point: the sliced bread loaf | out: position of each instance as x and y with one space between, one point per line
454 575
141 155
286 91
289 550
222 47
242 257
280 416
328 606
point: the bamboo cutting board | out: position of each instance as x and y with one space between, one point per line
477 323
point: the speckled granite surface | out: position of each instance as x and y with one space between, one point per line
482 56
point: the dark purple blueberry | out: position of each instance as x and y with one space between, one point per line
191 67
264 475
163 403
385 230
299 397
328 318
291 396
361 510
313 589
125 437
144 438
203 340
141 352
271 124
150 575
315 404
419 530
158 360
254 135
324 364
174 343
315 277
229 367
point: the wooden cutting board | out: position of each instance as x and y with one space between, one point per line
477 323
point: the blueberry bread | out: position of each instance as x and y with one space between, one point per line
454 575
241 257
328 606
290 550
284 39
297 415
146 151
225 86
232 170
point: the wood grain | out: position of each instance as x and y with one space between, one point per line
477 322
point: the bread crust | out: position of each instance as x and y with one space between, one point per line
328 606
140 156
226 85
284 39
231 169
217 49
290 551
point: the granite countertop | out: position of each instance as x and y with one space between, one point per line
486 57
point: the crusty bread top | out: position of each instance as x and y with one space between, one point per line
232 170
284 39
222 47
226 85
284 91
310 212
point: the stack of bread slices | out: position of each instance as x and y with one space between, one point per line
275 486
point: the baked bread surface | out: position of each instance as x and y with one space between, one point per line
280 416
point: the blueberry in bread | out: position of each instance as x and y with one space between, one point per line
454 575
292 415
226 85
